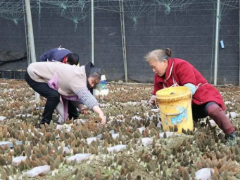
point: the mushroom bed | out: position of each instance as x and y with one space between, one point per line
132 145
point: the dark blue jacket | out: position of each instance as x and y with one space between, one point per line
56 54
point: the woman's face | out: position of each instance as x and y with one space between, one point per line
93 81
158 67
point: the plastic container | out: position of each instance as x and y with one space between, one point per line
175 108
103 84
102 87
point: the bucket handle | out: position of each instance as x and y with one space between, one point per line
173 114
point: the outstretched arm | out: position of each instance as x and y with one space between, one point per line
90 101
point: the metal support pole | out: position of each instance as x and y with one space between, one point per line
239 43
123 39
30 30
92 30
26 36
217 42
31 38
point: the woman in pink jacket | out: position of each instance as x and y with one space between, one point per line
56 80
206 100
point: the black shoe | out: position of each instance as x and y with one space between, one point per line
39 126
231 139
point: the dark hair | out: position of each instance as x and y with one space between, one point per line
92 71
168 52
95 72
72 58
159 54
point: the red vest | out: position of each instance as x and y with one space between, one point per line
182 72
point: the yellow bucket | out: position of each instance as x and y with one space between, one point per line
175 108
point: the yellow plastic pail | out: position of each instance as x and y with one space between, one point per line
175 108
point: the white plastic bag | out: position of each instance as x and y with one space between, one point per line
117 148
89 140
37 170
115 135
79 157
60 110
204 174
141 129
147 141
17 160
2 118
169 134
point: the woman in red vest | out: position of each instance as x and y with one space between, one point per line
206 99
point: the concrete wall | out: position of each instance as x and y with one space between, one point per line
189 33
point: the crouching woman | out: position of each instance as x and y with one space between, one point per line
206 100
59 82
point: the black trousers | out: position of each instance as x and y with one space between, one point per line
53 98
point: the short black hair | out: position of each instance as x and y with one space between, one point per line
73 58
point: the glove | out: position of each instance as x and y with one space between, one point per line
84 111
152 100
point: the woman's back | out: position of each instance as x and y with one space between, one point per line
70 78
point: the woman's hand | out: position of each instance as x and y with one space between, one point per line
152 101
98 110
103 122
